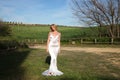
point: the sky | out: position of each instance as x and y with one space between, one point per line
38 12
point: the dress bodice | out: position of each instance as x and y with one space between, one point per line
54 39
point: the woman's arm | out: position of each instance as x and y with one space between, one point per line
59 41
48 40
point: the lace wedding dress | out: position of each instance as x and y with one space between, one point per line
53 49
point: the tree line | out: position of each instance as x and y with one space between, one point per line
101 13
22 24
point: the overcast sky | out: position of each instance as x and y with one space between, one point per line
38 11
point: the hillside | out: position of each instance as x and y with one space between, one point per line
41 32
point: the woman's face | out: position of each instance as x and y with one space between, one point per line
53 28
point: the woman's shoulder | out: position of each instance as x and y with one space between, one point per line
59 33
50 33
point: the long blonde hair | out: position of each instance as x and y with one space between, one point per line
53 25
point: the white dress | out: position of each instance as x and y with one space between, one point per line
53 49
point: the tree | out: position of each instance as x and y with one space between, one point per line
103 13
5 30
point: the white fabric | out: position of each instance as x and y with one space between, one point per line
53 51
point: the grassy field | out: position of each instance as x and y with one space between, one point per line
38 34
41 32
28 64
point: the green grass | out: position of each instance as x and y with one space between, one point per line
28 64
38 34
41 32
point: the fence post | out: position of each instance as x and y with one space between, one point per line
35 41
112 40
95 40
81 41
28 40
73 42
69 41
42 41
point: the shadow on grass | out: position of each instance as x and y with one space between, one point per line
10 64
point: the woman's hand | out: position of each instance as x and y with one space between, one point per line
47 50
59 51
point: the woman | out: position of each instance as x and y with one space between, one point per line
53 47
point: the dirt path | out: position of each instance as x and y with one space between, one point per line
85 49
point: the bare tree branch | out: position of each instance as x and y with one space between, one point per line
99 12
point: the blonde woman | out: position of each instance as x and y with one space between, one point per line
53 47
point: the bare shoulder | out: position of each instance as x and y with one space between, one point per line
49 32
59 33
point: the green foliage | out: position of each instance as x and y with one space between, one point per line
5 30
117 39
38 34
103 39
30 32
7 43
41 32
